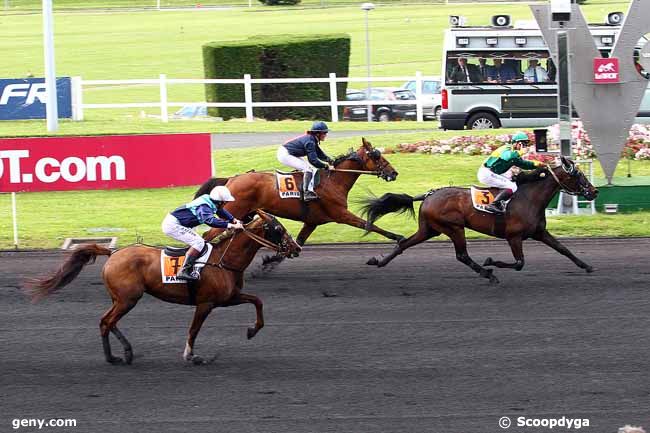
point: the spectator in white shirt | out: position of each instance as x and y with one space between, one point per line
535 73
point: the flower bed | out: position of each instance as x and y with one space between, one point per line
637 146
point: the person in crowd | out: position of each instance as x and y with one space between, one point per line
535 73
501 72
464 72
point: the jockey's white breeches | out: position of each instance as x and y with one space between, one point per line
172 228
298 163
490 178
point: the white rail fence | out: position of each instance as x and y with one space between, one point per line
78 84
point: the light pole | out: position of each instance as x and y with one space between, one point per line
368 7
51 109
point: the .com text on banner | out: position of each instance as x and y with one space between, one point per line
104 162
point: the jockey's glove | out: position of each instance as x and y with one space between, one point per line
237 225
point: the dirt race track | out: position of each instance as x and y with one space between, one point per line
423 345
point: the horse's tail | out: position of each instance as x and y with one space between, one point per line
209 184
375 208
83 255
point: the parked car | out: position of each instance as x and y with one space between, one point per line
381 112
431 92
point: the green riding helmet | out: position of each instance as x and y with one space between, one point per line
520 136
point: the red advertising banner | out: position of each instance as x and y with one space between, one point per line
104 162
606 70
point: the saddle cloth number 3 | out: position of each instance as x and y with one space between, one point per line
287 186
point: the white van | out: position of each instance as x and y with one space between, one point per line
490 83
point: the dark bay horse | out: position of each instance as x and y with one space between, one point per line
450 211
257 190
135 270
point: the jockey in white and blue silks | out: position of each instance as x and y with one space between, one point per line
292 152
202 210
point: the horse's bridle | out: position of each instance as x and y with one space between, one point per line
281 247
563 187
375 155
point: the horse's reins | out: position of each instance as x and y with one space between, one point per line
259 239
563 186
347 170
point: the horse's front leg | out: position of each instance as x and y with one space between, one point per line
269 262
351 219
548 239
202 311
244 298
517 252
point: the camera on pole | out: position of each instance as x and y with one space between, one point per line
561 10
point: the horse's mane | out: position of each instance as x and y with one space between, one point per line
351 155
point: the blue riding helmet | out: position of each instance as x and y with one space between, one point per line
319 127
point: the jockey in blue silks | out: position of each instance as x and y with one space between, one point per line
206 209
292 152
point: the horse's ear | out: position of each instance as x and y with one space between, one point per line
366 143
567 164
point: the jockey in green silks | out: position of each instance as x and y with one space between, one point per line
499 162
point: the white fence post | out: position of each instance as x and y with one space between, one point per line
248 97
334 98
77 99
15 218
164 115
418 96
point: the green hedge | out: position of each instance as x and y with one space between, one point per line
284 56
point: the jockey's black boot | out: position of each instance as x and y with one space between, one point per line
497 205
307 193
186 272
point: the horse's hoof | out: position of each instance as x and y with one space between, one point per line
494 280
488 262
373 262
250 333
400 239
197 360
128 356
589 269
115 360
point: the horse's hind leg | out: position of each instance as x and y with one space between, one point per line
107 324
347 217
549 240
423 233
244 298
517 252
460 244
200 314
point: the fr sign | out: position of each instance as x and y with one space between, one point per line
606 71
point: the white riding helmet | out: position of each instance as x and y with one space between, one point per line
221 193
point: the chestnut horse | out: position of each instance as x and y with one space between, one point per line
135 270
450 211
257 190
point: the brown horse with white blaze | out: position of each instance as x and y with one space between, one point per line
450 211
257 190
135 270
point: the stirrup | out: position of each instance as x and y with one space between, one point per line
310 195
188 274
496 208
